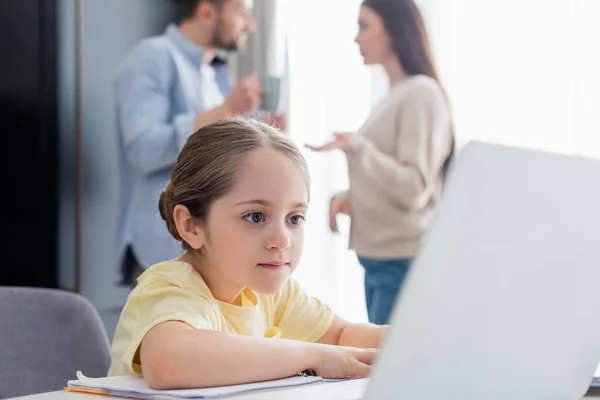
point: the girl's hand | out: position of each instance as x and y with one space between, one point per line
339 362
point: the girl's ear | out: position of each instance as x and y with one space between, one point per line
190 230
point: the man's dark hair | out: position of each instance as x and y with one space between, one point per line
188 7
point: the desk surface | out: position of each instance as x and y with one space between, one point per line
348 390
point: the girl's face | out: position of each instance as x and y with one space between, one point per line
373 39
254 235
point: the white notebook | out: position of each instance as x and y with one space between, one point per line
132 387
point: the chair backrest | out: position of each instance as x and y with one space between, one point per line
46 336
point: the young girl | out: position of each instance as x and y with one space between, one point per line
227 311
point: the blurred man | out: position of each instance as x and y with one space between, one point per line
167 88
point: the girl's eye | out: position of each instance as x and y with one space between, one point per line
296 219
254 217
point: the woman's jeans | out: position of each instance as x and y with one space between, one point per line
383 281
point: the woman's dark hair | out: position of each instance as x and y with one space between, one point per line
404 24
410 41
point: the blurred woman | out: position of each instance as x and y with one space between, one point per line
398 159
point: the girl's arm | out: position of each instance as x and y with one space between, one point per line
176 356
364 336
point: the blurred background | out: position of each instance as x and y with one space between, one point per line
518 72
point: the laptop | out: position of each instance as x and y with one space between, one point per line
503 299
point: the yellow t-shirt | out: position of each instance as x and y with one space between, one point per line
174 291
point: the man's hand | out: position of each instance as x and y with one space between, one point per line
279 121
245 97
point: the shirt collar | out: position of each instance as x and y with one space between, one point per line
189 49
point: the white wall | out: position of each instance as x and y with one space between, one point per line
521 72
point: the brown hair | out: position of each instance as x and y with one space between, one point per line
189 7
405 25
208 165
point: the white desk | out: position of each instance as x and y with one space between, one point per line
348 390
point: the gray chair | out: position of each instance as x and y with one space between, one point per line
45 337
